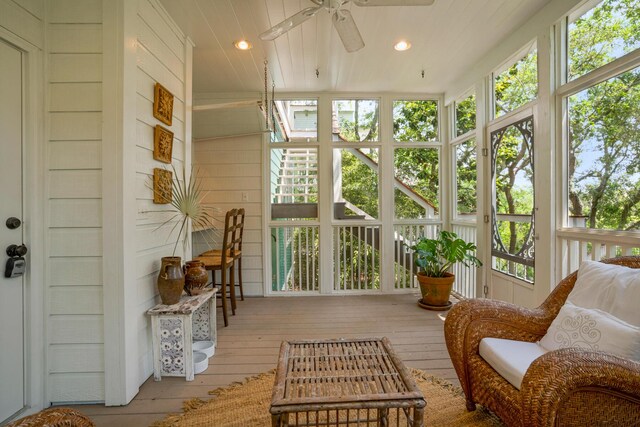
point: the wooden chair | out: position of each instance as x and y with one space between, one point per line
224 262
236 251
567 387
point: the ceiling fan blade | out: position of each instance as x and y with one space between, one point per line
347 30
394 2
292 21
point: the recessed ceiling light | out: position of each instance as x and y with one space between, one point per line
242 45
402 45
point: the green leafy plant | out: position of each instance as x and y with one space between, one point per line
187 205
435 256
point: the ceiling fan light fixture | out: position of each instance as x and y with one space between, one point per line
242 44
402 45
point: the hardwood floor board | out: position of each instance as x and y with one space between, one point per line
251 344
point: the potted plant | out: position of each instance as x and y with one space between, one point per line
434 257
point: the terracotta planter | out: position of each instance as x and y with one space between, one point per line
436 290
195 277
170 280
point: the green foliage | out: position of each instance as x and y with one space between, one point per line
466 177
517 85
415 121
608 31
435 256
604 120
360 182
419 169
465 115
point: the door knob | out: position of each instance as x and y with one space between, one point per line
16 250
13 223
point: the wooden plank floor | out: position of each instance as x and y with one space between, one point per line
250 345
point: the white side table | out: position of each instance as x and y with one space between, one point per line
175 327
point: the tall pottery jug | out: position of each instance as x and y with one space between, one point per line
170 280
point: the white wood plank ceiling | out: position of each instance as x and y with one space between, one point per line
447 37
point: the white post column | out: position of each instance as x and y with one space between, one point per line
119 200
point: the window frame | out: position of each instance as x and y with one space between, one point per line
453 164
564 91
512 60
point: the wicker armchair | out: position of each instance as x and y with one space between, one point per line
568 387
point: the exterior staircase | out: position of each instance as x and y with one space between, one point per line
292 198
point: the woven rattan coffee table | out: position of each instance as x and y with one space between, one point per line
346 382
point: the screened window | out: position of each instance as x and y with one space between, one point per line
294 183
355 120
465 112
608 31
415 121
466 179
516 85
295 120
604 154
355 183
416 183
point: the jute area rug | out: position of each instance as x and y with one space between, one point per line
247 404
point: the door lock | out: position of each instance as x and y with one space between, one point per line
13 223
16 263
16 250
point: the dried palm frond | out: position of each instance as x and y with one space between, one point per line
187 204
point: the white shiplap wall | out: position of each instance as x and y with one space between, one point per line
228 168
162 54
75 354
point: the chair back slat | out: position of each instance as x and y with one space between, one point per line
230 223
239 230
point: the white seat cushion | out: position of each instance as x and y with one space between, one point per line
509 358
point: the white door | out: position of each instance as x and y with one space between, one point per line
11 289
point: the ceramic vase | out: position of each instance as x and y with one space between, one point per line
170 280
195 277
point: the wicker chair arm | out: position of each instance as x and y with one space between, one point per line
560 384
471 320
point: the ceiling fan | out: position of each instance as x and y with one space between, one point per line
341 17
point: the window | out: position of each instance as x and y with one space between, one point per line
296 120
355 183
294 183
465 115
604 154
516 85
466 179
355 120
602 34
415 121
416 183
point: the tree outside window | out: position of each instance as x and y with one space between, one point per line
604 121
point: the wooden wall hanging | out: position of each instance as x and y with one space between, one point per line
162 144
162 189
163 104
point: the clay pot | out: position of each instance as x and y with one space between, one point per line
195 277
170 280
436 290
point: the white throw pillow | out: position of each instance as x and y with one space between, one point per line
611 288
592 329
